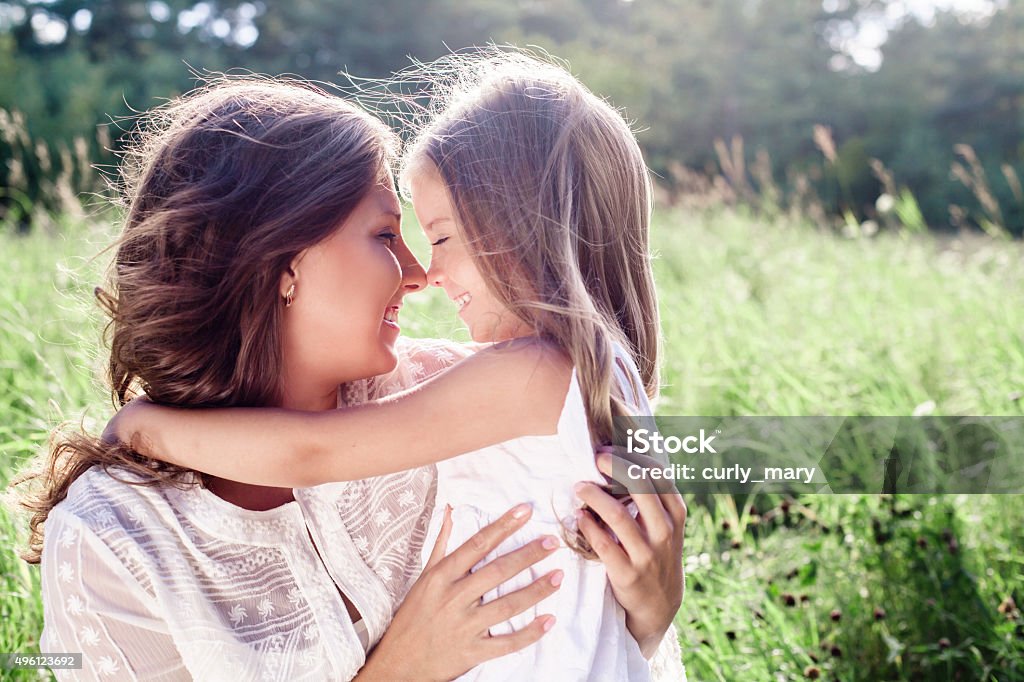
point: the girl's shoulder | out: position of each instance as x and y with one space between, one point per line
540 370
536 362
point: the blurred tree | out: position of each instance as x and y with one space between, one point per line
688 71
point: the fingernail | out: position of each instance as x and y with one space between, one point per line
550 542
578 488
521 511
578 514
556 578
549 623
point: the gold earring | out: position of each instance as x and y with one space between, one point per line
289 296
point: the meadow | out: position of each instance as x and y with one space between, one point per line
762 317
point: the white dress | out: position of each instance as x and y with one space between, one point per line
165 584
590 640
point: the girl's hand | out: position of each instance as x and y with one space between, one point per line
441 629
645 566
126 425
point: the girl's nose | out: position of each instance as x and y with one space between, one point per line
435 273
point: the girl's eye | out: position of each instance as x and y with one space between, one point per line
389 237
440 241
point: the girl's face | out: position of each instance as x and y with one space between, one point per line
343 322
451 265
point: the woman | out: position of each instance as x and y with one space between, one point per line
156 573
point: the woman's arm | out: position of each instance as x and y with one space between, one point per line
497 394
93 605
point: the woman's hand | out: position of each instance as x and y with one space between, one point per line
441 629
645 566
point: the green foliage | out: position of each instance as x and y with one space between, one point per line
858 587
909 213
759 318
687 71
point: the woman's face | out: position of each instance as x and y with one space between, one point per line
451 265
343 322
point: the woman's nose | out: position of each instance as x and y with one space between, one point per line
414 277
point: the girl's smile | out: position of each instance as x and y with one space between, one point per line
451 263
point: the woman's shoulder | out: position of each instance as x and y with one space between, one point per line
103 499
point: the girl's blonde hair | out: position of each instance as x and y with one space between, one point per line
554 200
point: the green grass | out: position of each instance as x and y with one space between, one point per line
759 318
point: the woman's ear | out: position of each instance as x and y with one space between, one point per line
290 279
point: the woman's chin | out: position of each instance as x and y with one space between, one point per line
388 360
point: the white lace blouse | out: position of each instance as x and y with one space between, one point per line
161 583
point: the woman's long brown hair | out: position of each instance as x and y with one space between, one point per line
223 187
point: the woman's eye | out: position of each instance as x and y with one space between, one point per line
389 237
440 241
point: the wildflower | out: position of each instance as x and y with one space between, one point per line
884 203
836 615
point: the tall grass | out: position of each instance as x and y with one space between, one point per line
760 316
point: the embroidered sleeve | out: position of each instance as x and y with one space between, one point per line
93 605
667 661
418 360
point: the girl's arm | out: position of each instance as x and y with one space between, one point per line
643 556
498 394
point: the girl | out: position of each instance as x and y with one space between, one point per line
536 201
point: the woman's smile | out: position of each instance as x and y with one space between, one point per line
391 317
